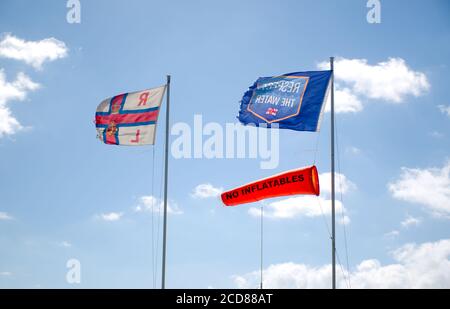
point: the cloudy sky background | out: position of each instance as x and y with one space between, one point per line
65 195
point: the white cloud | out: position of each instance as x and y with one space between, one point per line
391 81
31 52
66 244
153 204
410 221
206 190
34 53
437 134
287 276
16 90
111 216
344 220
392 234
5 216
307 205
341 183
415 266
428 187
8 124
345 101
353 150
5 274
299 206
444 109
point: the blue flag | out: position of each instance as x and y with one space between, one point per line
293 101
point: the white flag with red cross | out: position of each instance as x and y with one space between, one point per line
130 118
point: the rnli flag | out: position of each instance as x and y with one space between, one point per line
129 118
292 101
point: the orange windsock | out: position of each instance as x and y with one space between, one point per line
299 181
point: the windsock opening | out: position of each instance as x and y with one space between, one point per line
315 180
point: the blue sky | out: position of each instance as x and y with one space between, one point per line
57 180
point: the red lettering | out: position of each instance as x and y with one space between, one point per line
136 140
143 98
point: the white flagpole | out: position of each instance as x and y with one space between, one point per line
333 208
166 173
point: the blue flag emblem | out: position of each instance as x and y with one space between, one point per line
294 101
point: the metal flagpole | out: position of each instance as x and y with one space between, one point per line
262 243
166 172
333 210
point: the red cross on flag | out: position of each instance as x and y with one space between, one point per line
129 118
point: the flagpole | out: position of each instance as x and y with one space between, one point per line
262 244
166 173
333 208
